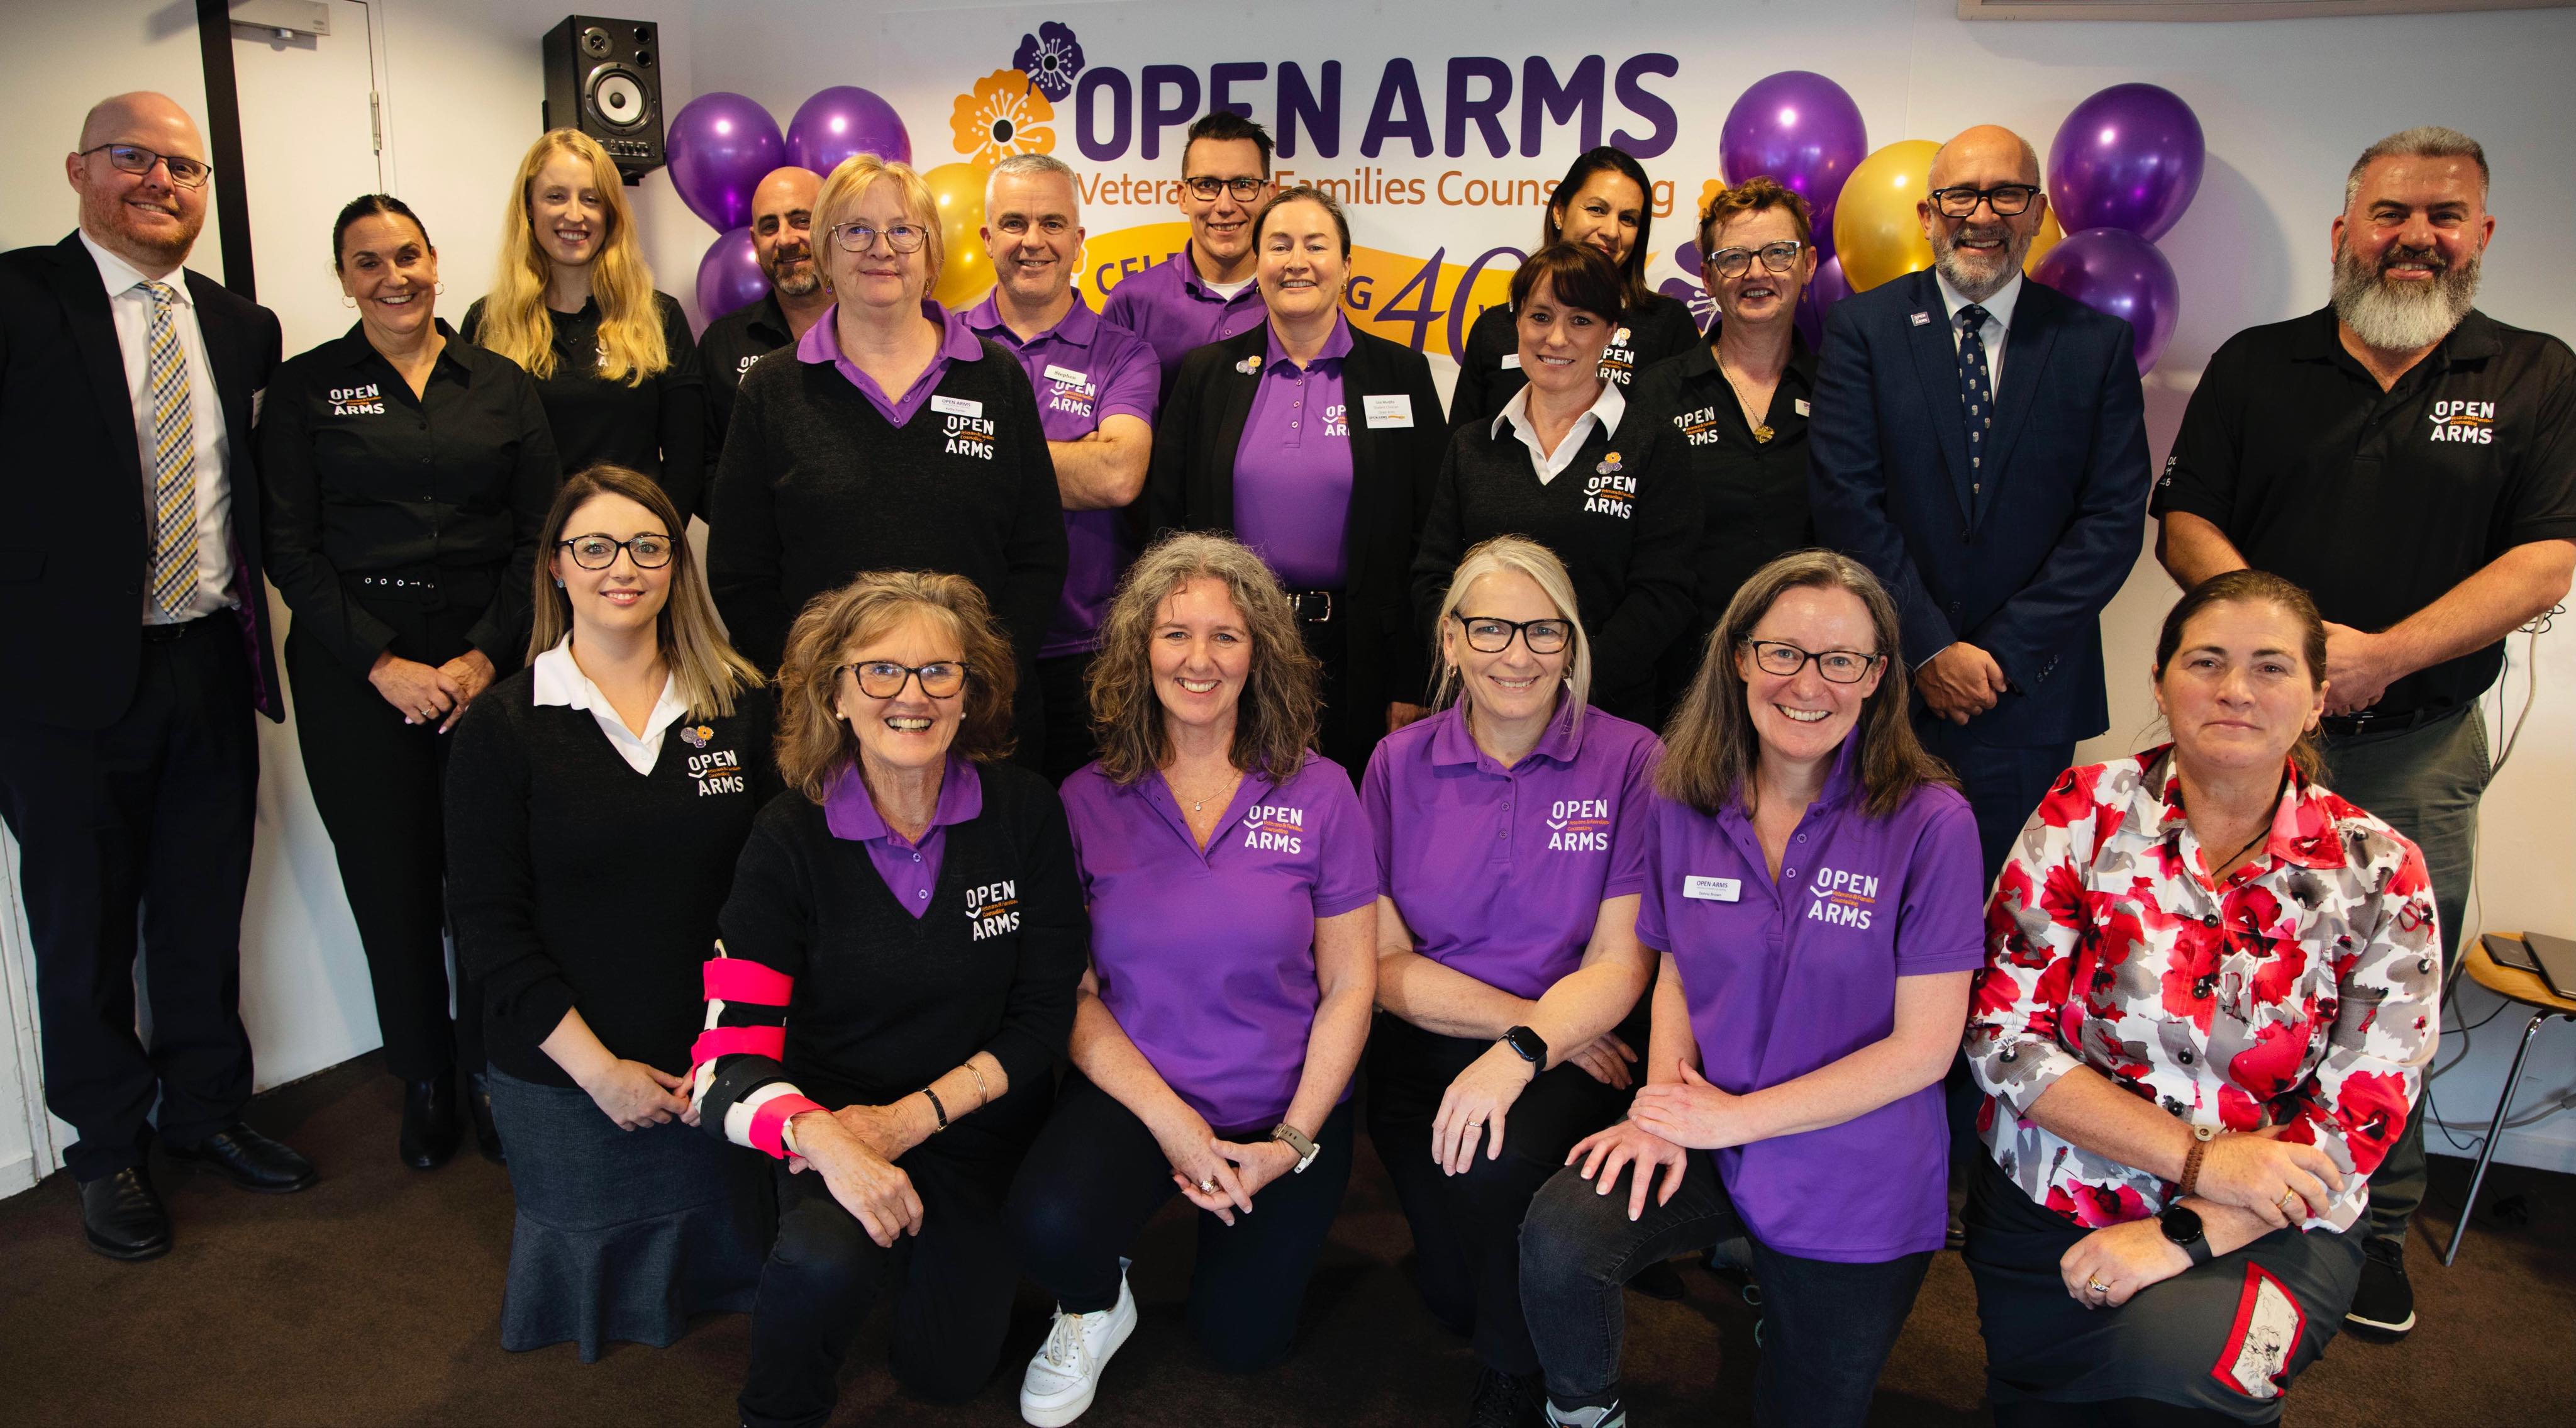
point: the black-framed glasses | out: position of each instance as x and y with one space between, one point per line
885 679
597 552
1784 660
859 237
1779 257
1207 187
2008 200
136 159
1489 635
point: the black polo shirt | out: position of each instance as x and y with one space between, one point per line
729 346
1489 370
2380 502
657 426
1753 493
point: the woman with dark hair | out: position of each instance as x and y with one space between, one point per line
1812 888
406 475
1315 443
891 991
633 719
1233 899
1567 464
1606 202
2208 1002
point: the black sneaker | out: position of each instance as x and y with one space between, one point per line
2383 1308
1507 1401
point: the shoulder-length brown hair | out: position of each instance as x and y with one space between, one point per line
2258 587
692 641
814 745
1281 704
1710 749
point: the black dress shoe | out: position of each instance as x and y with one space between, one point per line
487 1136
429 1125
250 1160
123 1216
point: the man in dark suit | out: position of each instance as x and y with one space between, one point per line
1979 441
131 608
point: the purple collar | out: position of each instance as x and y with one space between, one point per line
1336 347
1076 327
1451 743
1842 785
821 345
852 815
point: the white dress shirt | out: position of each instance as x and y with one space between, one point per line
1997 328
559 681
131 306
1606 409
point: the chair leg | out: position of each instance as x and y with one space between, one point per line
2495 1131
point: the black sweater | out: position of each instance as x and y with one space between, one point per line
657 426
574 881
1659 329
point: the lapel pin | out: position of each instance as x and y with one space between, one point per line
1248 366
1923 319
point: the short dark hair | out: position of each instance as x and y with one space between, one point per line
367 205
1304 193
1593 161
2258 587
1579 274
1225 126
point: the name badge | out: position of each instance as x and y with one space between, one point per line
1396 410
956 406
1712 889
1067 375
1511 361
1800 403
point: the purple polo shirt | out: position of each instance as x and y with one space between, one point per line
910 869
1292 470
1782 979
1207 958
1501 873
957 343
1174 311
1085 371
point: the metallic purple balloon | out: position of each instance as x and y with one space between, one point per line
1823 291
2129 157
2114 270
721 145
842 121
1803 130
729 276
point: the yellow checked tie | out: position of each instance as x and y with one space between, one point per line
174 460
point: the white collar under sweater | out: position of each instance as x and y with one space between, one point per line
1605 409
559 681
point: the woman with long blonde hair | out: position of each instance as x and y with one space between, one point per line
574 304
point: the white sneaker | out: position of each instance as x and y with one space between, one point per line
1064 1375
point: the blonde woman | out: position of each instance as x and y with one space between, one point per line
574 304
596 803
891 996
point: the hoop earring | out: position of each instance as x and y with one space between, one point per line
347 301
438 290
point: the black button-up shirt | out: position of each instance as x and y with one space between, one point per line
372 493
2380 502
728 348
1753 493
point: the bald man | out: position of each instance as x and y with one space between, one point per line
782 238
1979 441
133 619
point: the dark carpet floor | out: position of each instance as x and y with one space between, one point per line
374 1299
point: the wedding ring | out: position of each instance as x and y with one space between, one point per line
2289 1204
2097 1286
1208 1186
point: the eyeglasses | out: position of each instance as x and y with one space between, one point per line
859 237
136 159
2008 200
1206 187
598 552
1488 635
1776 657
1735 262
885 679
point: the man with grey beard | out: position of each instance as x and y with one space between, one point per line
2412 462
782 216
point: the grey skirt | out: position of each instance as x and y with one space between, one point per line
622 1234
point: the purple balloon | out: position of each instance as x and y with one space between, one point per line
721 146
2114 270
729 276
2129 157
1803 130
842 121
1823 291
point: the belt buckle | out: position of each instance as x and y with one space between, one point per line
1305 598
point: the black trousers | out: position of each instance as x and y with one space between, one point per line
1346 735
1096 1175
379 786
152 813
1467 1228
2004 783
1062 688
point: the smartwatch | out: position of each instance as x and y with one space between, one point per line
1531 1047
1295 1140
2181 1225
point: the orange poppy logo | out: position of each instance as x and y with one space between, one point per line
1004 114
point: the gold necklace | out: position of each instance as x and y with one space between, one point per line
1762 432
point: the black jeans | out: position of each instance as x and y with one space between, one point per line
1827 1330
1096 1175
1467 1228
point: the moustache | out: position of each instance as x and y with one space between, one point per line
2430 257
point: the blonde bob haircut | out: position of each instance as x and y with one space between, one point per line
814 745
704 669
1511 554
1281 704
1710 749
514 321
850 182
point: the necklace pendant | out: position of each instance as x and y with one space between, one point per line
1763 432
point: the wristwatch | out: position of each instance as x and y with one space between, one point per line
2201 1136
1295 1140
2182 1226
1531 1046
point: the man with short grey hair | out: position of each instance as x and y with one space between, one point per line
2412 463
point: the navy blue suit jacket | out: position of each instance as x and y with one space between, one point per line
2022 568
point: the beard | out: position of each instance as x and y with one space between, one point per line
107 214
1976 275
2402 317
793 274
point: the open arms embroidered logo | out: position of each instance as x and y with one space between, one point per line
2464 421
993 909
2255 1360
1842 899
1579 825
1274 828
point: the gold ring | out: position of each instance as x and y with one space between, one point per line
2097 1286
2289 1204
1208 1186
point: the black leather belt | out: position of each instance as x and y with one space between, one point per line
2372 721
1314 607
185 629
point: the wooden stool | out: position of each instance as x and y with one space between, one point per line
2515 985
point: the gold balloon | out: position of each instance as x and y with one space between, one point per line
2048 237
1876 231
967 273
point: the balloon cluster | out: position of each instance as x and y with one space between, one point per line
722 145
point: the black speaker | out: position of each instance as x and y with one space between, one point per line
604 78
